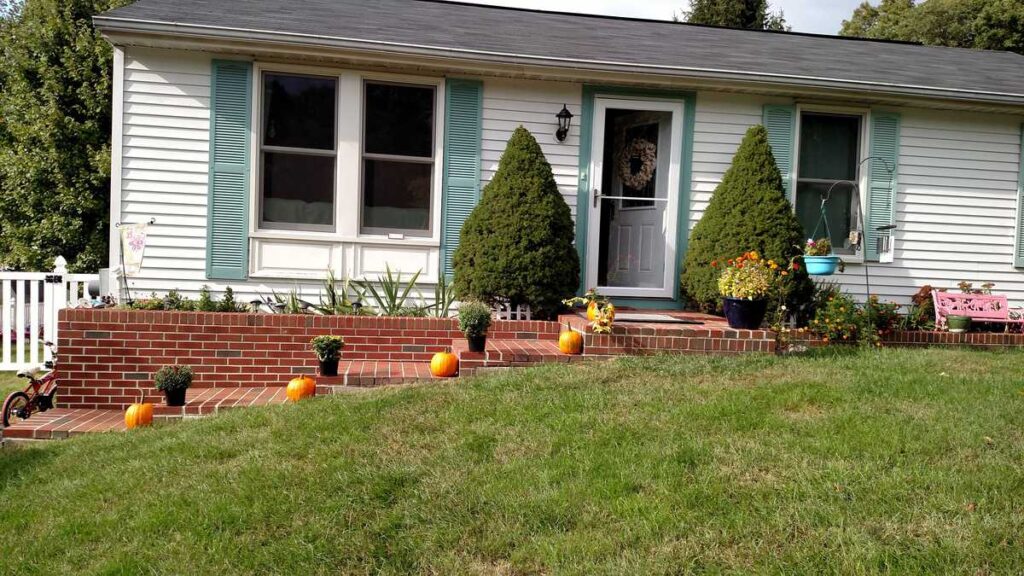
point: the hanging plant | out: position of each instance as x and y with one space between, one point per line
647 153
819 259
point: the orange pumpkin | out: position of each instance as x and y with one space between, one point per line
592 310
300 387
138 415
570 341
444 364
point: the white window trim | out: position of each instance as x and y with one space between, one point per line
864 148
437 175
348 164
257 159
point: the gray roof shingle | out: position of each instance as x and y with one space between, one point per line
501 33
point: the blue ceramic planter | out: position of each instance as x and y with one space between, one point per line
744 314
821 265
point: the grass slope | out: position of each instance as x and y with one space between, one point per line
9 383
897 460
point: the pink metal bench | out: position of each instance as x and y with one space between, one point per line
980 307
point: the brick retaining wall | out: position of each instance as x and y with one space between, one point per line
108 356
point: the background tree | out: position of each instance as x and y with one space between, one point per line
517 243
748 211
985 24
55 99
745 14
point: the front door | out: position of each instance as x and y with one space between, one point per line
634 208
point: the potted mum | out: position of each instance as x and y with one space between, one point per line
174 381
819 259
328 352
474 320
745 284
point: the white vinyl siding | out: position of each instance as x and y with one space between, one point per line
955 200
722 121
955 206
509 104
165 161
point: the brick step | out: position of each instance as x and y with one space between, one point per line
204 401
508 354
61 423
371 373
711 336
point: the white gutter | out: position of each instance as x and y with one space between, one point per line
173 29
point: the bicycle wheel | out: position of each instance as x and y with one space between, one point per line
15 406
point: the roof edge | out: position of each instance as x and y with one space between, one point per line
112 25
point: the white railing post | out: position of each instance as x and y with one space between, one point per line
60 297
8 307
30 301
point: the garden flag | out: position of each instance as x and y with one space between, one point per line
133 245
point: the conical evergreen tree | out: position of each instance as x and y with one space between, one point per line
749 211
518 242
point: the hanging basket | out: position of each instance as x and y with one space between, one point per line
821 265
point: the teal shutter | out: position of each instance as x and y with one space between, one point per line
463 127
227 239
881 200
780 122
1018 254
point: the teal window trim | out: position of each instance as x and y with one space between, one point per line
786 155
876 174
450 230
583 198
214 272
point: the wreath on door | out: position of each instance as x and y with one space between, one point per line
639 149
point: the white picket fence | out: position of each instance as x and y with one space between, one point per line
29 302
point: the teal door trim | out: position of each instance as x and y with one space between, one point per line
586 186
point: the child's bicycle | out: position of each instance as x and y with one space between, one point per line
37 396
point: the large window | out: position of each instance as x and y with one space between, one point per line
298 152
829 156
398 158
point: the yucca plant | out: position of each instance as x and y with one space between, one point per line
335 301
391 297
444 298
289 303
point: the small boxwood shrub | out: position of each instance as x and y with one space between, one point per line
748 211
474 318
173 378
327 348
518 242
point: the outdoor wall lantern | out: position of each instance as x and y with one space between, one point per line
564 122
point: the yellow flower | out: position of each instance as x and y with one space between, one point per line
754 256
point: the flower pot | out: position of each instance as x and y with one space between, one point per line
745 314
821 265
477 343
958 324
329 367
175 397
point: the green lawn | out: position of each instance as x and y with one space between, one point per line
893 461
9 383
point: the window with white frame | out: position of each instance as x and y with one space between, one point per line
298 152
398 158
830 146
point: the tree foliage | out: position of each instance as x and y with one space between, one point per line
55 96
748 211
518 242
745 14
985 24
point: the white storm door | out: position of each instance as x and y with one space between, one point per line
631 244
